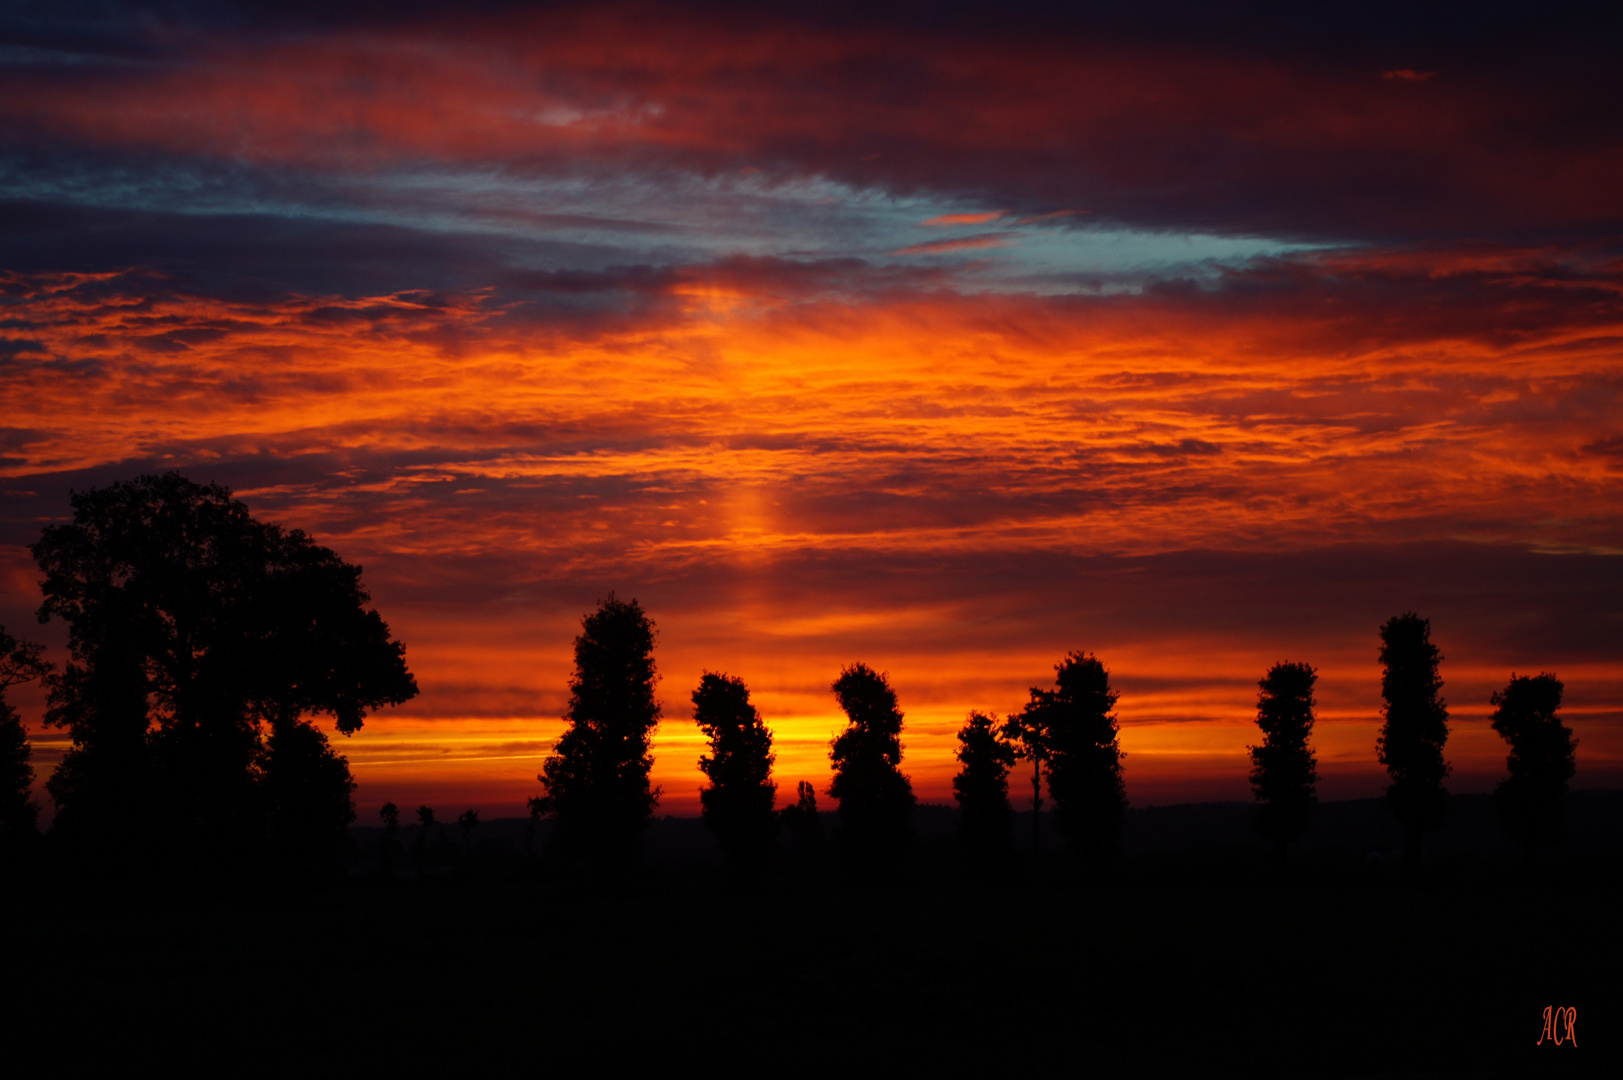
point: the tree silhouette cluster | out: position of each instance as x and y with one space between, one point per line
804 823
202 642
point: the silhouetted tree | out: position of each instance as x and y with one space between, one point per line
1024 731
537 811
308 789
20 662
596 779
1541 761
1415 729
738 802
468 822
1078 732
1283 771
419 849
390 813
194 629
981 787
803 821
876 799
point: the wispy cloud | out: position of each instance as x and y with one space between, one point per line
963 243
941 220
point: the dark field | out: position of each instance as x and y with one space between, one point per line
1164 968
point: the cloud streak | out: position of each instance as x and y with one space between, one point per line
519 307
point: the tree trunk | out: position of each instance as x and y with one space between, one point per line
1411 851
1036 805
1279 851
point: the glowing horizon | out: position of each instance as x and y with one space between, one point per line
833 339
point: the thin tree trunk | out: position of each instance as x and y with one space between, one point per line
1036 805
1411 852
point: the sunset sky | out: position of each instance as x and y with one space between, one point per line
949 340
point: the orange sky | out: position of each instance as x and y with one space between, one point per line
1195 358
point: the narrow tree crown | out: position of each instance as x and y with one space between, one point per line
1416 721
982 784
1416 726
1283 769
875 723
740 743
876 799
983 752
1542 758
1525 716
738 803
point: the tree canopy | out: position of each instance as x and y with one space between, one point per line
1077 732
1415 728
193 628
1283 770
1542 759
596 779
985 818
738 803
876 799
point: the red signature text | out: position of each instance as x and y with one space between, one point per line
1560 1026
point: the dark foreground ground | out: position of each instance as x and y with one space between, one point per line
1292 978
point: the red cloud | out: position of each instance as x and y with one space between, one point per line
964 219
937 247
1153 134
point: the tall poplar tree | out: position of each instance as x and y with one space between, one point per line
1283 771
1078 732
985 818
738 802
596 780
1415 728
876 799
1542 758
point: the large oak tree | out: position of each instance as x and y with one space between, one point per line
203 641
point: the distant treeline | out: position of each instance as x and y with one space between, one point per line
203 642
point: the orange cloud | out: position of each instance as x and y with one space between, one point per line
968 243
954 488
963 219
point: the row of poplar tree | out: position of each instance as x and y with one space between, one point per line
203 642
597 780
